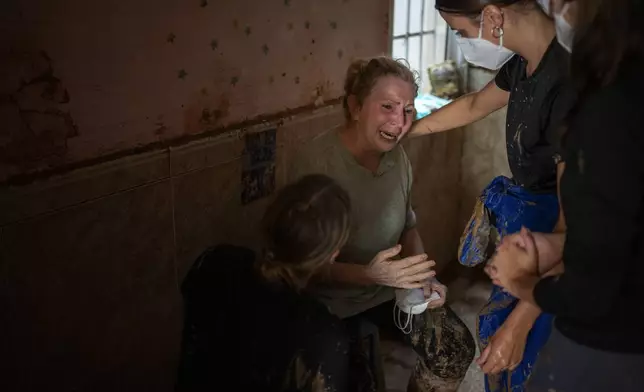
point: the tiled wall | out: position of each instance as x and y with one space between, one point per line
91 260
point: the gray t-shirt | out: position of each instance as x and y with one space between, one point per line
381 211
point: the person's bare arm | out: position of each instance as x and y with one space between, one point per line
462 111
550 248
411 243
523 316
517 326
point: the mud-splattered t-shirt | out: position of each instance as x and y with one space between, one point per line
242 333
538 103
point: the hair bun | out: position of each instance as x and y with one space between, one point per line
355 70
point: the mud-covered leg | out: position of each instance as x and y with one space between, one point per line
445 349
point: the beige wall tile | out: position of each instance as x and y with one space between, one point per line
67 275
80 186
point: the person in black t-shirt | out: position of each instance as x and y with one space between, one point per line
248 323
594 272
518 39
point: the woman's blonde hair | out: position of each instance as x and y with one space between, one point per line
304 226
363 74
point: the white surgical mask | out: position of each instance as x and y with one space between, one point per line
565 32
545 4
483 53
410 302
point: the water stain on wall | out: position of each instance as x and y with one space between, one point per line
321 92
218 113
206 113
37 122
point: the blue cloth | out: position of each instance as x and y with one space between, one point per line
427 103
505 207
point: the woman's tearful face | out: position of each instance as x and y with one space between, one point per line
387 113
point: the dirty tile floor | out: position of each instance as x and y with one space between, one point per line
466 298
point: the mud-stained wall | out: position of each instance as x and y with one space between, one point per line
86 79
158 106
484 152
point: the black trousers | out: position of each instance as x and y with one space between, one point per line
566 366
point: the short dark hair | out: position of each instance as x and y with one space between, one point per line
306 223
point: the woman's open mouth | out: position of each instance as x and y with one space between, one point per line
389 136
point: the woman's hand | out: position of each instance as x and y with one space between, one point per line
408 273
505 349
550 250
515 266
435 286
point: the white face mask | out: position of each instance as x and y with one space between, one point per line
545 4
483 53
411 302
565 32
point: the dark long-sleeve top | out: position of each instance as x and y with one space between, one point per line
243 334
598 301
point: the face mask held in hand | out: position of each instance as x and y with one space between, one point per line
410 302
483 53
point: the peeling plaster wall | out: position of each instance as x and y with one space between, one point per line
85 79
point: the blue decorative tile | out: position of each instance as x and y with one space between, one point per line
258 165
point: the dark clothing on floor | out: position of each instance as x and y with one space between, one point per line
536 107
240 333
444 345
565 366
598 300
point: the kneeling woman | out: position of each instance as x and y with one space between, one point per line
247 322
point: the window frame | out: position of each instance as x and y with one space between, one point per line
430 34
